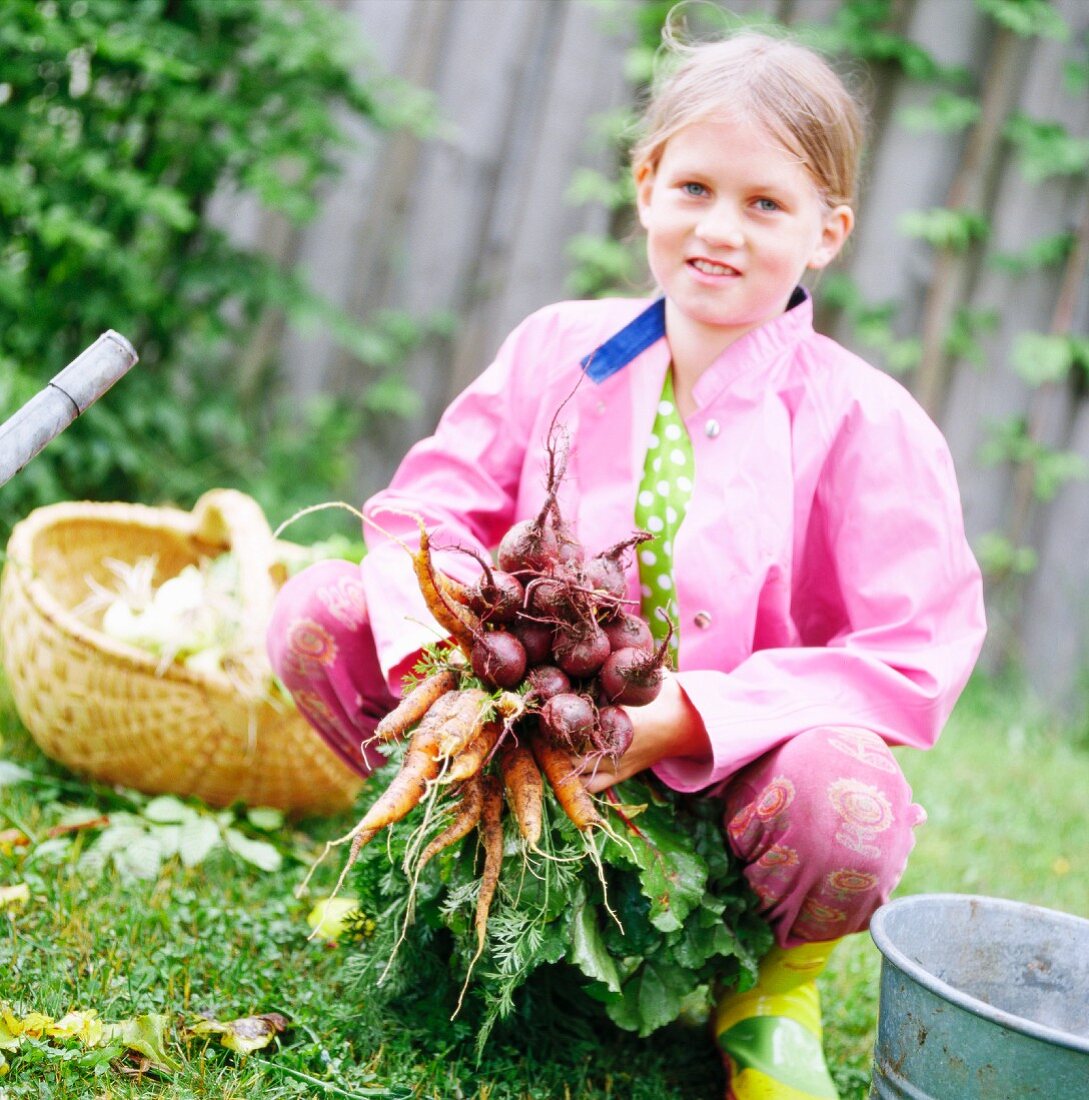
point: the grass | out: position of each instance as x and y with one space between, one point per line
1004 792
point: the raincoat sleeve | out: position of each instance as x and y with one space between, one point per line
462 483
887 599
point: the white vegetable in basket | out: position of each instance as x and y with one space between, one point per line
186 616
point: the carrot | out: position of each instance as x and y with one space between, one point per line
472 710
419 766
575 800
491 836
461 623
453 590
472 758
466 816
415 705
522 778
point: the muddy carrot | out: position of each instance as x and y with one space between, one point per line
472 758
466 816
415 705
491 836
522 779
472 710
461 623
575 800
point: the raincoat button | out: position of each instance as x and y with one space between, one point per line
711 429
702 619
600 407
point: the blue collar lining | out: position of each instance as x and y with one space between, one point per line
638 335
633 339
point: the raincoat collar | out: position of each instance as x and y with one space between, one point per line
649 327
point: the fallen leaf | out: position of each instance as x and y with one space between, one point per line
332 917
14 896
145 1034
84 1026
247 1033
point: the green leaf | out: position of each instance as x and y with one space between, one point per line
1040 358
998 556
672 876
196 839
1027 18
266 818
1046 149
12 773
1045 252
145 1034
941 227
257 852
141 859
650 999
1053 469
946 113
166 809
587 948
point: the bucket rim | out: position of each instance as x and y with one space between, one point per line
880 935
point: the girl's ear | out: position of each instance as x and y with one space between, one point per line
644 186
837 226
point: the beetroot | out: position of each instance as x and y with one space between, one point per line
549 598
498 659
569 720
605 573
630 630
614 731
632 676
580 651
546 680
536 639
497 597
528 547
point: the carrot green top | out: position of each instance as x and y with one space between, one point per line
660 507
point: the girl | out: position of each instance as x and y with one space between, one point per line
809 548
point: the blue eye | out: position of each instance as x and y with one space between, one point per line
693 189
767 205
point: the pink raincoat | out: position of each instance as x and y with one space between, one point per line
822 575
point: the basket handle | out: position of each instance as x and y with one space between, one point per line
235 521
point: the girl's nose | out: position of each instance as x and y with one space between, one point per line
721 225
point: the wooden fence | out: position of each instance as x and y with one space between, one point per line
475 220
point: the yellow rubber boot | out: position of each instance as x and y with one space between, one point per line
770 1035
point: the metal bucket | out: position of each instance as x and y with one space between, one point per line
981 999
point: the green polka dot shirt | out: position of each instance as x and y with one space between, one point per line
660 507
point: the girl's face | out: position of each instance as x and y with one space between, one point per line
733 220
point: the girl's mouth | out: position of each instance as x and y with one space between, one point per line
709 267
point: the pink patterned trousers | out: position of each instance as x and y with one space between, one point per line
823 824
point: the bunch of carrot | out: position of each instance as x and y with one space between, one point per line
542 660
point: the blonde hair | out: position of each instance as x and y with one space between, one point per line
784 86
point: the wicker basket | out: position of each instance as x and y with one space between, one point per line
102 707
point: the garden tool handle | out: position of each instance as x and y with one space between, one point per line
70 393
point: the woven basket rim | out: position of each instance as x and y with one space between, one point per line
149 517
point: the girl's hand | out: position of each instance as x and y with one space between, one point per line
670 726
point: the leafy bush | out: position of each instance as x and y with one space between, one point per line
120 120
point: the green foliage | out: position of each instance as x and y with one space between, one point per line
642 923
120 123
1027 18
1046 149
941 227
946 113
1046 252
872 323
961 341
998 557
1010 441
1040 358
